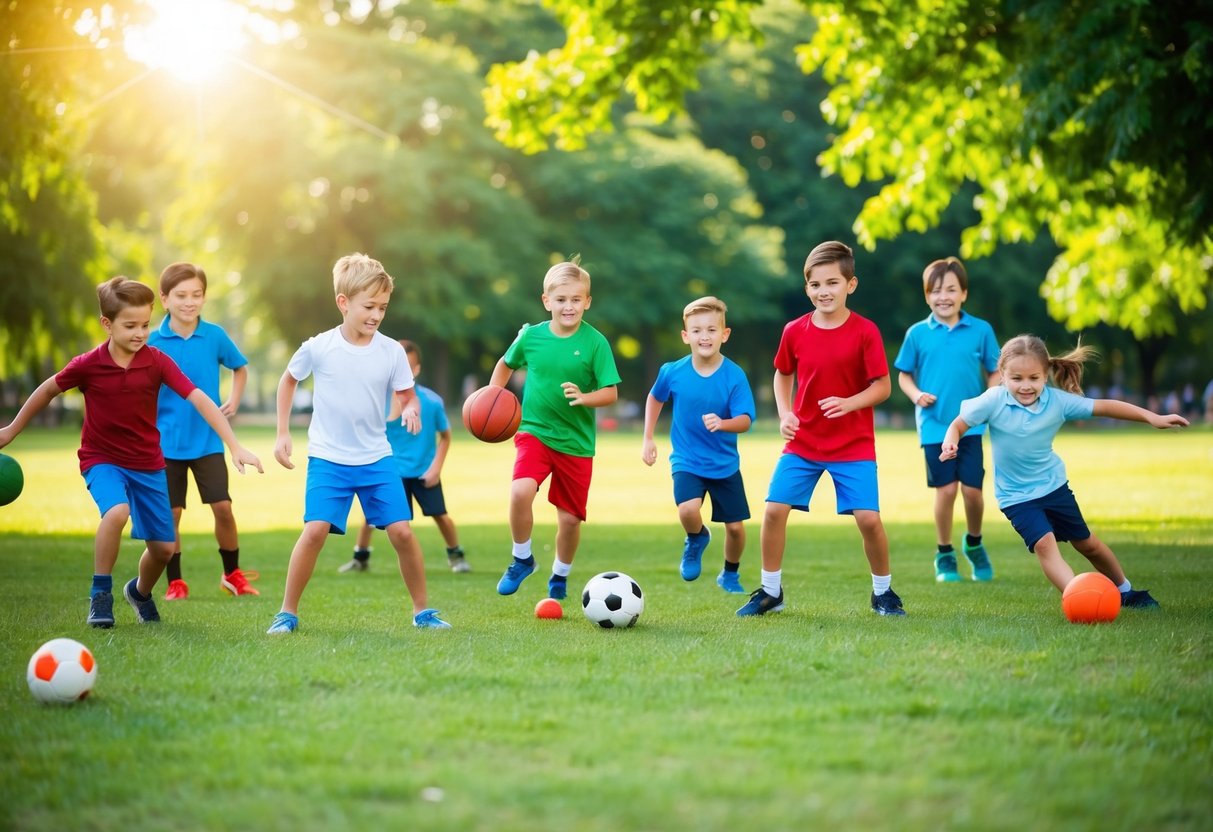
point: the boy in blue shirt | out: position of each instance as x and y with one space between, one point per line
947 358
712 404
419 459
200 348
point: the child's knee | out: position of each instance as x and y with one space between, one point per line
776 513
869 523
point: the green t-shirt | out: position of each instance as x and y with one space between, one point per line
583 358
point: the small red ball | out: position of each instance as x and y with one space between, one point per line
549 608
1090 598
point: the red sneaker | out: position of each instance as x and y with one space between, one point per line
177 590
237 582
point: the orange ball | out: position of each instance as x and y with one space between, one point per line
549 608
492 414
1090 598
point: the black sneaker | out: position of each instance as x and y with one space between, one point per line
761 603
887 603
145 610
1138 598
101 610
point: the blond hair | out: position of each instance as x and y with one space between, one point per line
120 293
1066 370
831 252
707 303
935 272
357 272
569 271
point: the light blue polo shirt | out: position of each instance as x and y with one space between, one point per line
726 392
953 364
184 434
1025 466
413 454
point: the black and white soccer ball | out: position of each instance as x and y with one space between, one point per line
612 599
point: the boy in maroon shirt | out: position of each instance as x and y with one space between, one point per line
120 456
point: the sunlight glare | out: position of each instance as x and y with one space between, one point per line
189 38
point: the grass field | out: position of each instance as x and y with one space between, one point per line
982 709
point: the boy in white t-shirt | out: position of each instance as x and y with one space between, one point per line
356 370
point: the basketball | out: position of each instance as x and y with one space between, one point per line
492 414
11 480
1090 598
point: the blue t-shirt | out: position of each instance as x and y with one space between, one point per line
184 434
726 392
411 453
951 364
1025 466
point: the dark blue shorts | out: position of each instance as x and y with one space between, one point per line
968 466
1056 512
431 501
729 504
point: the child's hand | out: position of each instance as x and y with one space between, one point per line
925 399
282 452
573 393
1170 420
947 451
712 422
229 408
648 452
835 406
788 426
430 478
242 456
410 417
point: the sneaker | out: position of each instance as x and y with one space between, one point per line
236 582
178 590
101 610
355 565
760 603
515 574
429 620
145 611
945 569
980 561
558 587
284 622
459 563
692 553
1139 599
730 582
887 603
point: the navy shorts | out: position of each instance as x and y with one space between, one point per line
729 504
1056 512
431 501
968 466
210 475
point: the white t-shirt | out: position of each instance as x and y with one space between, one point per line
351 389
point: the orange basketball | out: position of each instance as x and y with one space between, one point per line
1090 598
492 414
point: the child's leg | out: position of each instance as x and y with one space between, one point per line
151 564
522 512
225 525
1101 557
303 563
690 514
1052 563
975 507
568 535
945 507
364 536
875 541
734 541
446 528
774 535
109 539
412 568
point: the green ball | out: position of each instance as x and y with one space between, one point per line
11 480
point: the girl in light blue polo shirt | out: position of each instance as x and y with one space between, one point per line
1024 414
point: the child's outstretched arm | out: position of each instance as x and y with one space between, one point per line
407 409
601 397
501 374
908 386
239 379
286 394
39 399
1116 409
210 411
951 439
648 447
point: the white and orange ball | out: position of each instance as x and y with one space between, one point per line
61 671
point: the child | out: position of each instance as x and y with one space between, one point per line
357 370
199 348
836 360
570 369
947 358
419 460
712 404
1024 414
120 456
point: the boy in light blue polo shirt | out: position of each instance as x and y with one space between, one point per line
947 358
200 349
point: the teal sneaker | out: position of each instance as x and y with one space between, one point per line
761 603
101 610
429 620
284 622
1139 599
515 574
945 569
692 553
887 603
145 610
980 561
730 582
558 587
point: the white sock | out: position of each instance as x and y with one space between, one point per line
880 584
771 582
522 550
1126 586
561 568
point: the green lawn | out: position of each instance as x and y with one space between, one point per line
982 709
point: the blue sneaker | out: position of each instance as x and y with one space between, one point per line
945 569
101 610
887 603
730 582
284 622
1138 598
692 553
760 603
145 610
429 620
558 587
980 561
515 574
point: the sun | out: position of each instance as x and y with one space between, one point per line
189 38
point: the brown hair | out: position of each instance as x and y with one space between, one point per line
831 252
119 293
1066 370
411 349
934 274
177 273
357 272
705 304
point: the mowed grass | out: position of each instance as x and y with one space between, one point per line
982 709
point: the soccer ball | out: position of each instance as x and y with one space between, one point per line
61 671
612 599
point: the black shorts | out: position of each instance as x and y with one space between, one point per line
210 475
430 500
729 504
968 465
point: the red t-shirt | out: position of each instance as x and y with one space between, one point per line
120 405
832 362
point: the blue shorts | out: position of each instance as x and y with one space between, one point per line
729 504
431 501
331 488
1056 512
144 492
968 465
795 478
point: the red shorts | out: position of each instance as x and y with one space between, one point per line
570 488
